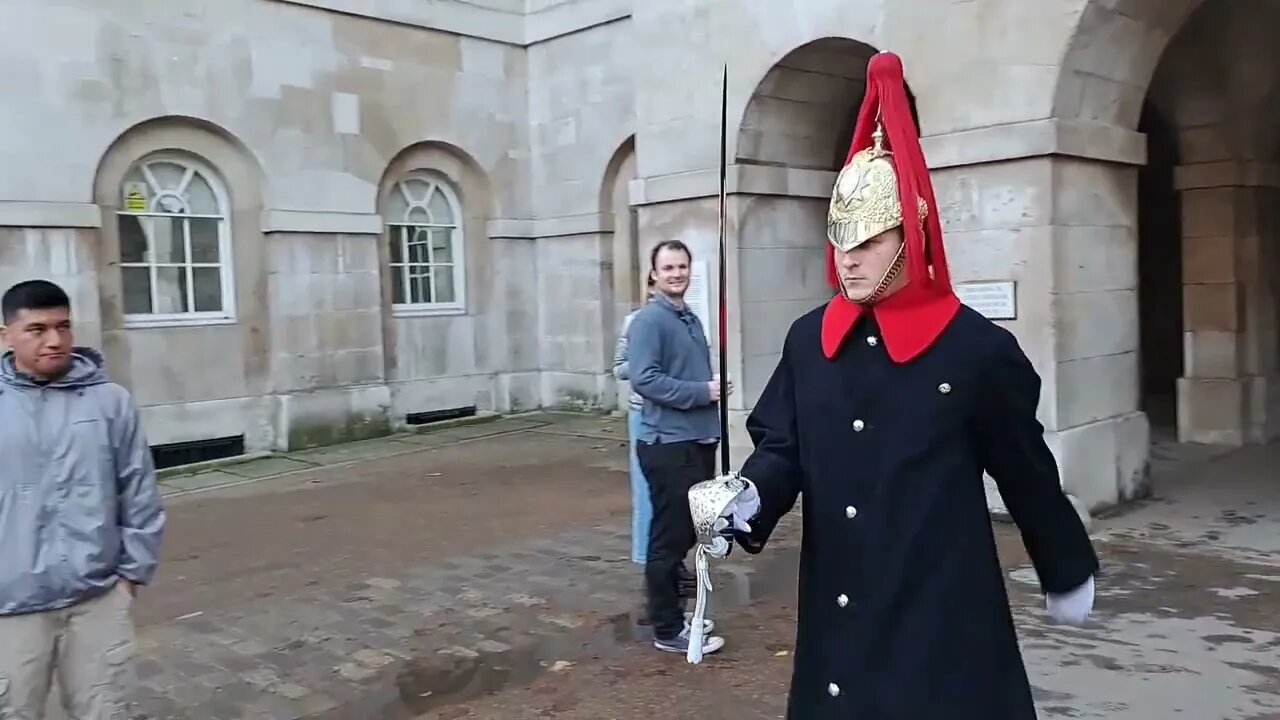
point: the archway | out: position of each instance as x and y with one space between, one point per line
1185 73
794 136
1160 305
627 279
1221 105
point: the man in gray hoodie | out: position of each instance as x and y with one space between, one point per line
80 515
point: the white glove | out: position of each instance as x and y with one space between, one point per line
744 507
1073 607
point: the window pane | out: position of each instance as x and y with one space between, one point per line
420 285
168 175
171 290
417 216
167 244
171 204
200 197
441 213
397 286
137 290
204 240
418 246
207 288
416 189
395 242
134 176
445 292
133 242
441 245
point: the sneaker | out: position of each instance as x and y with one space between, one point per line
707 624
680 644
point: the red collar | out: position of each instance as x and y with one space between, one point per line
910 320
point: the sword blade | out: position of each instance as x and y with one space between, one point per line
724 275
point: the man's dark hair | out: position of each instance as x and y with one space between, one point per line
667 245
32 295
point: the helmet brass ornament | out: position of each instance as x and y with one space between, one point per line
864 202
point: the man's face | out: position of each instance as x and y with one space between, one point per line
671 272
861 268
41 341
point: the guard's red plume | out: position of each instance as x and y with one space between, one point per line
886 100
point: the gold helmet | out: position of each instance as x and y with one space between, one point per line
884 172
864 202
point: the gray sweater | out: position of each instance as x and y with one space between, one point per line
621 369
670 367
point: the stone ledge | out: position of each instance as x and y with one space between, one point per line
539 228
1036 138
739 180
510 28
1017 141
21 213
307 221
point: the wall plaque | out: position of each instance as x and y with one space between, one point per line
996 300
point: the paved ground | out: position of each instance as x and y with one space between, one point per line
1187 624
481 572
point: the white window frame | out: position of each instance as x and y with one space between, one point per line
396 232
226 261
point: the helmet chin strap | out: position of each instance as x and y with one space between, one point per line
881 289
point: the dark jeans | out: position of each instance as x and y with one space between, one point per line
671 469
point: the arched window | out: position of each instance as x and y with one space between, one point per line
427 266
175 244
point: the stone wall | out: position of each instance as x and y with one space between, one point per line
575 134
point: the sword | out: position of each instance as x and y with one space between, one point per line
709 498
724 276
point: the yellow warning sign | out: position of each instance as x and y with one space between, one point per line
135 198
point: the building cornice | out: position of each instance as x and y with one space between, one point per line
502 26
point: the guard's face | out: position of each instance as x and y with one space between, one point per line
862 268
671 272
41 341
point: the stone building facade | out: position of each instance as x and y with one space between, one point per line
297 221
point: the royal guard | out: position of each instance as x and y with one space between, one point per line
886 407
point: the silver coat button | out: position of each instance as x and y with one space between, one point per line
944 388
843 600
833 689
858 425
851 512
872 340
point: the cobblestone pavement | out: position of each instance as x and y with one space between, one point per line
1187 625
481 572
388 577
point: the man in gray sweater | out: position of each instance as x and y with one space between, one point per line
670 365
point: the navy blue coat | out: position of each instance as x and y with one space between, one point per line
903 613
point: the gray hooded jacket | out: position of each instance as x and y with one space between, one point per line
79 506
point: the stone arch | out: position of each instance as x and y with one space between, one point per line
469 185
470 178
803 107
1186 73
1111 56
625 286
615 209
794 135
240 175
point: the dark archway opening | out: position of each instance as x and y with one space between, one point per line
851 122
1160 299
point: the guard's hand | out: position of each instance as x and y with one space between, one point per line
744 507
1071 608
722 545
